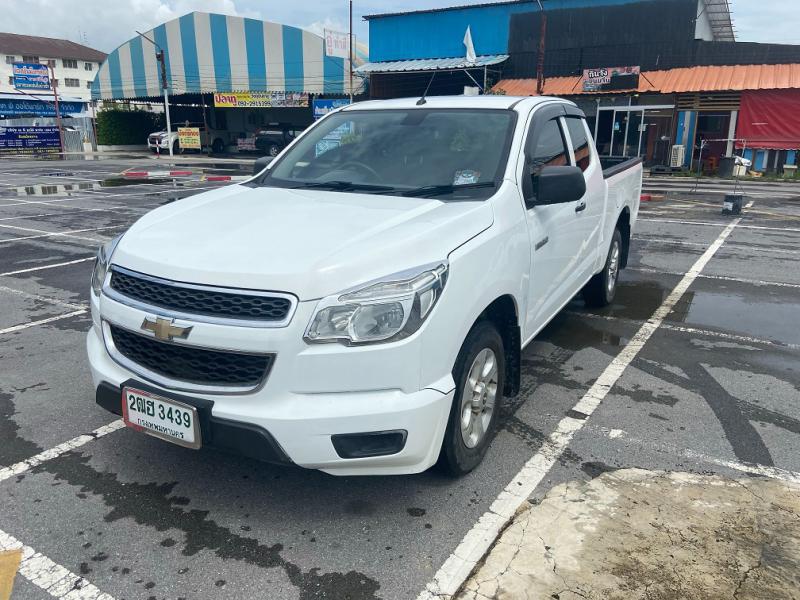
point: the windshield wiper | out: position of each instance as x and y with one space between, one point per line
448 188
342 186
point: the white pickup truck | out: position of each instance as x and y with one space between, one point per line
360 305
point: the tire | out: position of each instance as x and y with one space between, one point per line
217 146
273 150
601 288
463 448
176 148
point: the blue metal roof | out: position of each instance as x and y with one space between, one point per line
430 64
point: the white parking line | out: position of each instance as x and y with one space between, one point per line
51 266
56 451
58 214
43 298
733 246
712 224
30 324
49 576
458 566
68 234
753 469
758 282
742 339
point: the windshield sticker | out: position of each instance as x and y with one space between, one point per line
466 177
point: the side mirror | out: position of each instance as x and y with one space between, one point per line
261 164
558 185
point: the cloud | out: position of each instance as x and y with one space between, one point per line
103 24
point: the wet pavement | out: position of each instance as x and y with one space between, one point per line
713 391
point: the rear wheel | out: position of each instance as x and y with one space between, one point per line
217 146
601 288
273 150
479 374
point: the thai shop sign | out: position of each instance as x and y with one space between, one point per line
322 106
30 76
37 108
260 99
336 44
607 79
189 138
29 140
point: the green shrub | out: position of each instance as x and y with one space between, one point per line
123 127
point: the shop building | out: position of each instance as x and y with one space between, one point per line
74 67
675 75
233 75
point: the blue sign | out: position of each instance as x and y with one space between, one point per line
325 105
29 140
37 108
31 76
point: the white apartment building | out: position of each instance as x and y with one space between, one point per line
74 65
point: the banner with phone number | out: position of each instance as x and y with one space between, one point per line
29 140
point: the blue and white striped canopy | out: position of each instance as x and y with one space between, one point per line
207 52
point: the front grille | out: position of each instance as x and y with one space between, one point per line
193 365
209 302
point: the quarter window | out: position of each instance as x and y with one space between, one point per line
580 142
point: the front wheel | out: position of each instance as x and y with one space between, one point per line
601 288
479 374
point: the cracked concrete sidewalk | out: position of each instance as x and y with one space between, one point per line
651 535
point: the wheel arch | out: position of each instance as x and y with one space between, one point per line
503 313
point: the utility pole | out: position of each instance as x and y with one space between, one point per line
54 85
164 86
540 56
350 47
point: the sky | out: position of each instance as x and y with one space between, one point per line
105 24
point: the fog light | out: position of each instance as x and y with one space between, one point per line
373 443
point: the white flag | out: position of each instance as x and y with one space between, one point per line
470 48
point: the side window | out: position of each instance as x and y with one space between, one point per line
580 142
548 149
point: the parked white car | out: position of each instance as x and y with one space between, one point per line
360 306
160 141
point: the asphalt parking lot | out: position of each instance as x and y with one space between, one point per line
715 389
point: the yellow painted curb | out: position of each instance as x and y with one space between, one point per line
9 563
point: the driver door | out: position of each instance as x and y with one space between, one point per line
554 237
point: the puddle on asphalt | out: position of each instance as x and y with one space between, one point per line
58 189
123 181
638 300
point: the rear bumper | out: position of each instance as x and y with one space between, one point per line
279 426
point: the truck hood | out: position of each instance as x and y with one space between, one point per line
309 243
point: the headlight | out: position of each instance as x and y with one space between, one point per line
101 264
386 310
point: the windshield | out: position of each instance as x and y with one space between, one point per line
447 153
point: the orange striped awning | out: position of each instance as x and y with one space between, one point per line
673 81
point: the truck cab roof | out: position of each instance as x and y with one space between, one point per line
481 102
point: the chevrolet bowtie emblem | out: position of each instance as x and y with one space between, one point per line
164 329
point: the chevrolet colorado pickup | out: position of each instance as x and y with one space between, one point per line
360 305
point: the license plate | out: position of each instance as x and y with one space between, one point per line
161 417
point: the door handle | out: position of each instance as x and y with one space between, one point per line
580 207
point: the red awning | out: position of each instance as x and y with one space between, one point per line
770 119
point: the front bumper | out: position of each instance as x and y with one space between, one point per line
297 413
